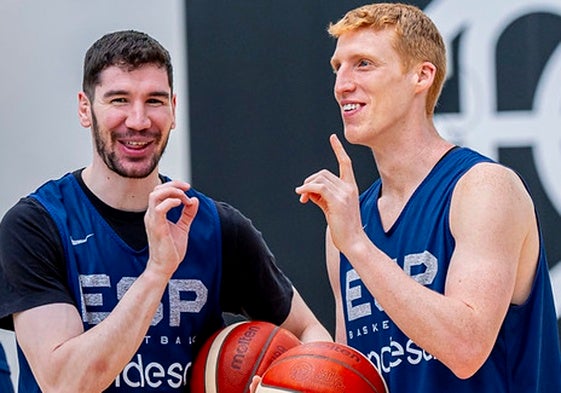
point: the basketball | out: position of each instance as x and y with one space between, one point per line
322 367
230 358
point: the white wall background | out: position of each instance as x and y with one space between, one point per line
42 46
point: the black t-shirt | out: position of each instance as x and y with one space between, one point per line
33 267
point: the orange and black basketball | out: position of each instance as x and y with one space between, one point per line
322 367
231 357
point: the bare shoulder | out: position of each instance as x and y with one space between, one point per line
490 172
492 194
494 181
493 219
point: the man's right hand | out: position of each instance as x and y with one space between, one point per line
167 241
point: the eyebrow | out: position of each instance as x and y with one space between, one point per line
112 93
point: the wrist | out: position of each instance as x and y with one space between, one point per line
357 247
156 274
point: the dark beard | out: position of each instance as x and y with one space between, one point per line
110 159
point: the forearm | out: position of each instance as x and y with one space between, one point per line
74 360
302 322
315 332
447 327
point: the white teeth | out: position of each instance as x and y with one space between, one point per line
350 107
136 144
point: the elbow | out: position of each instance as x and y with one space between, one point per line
466 360
85 381
68 388
313 332
465 371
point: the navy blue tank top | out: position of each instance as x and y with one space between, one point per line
101 267
526 356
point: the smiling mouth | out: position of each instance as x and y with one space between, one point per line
136 144
350 107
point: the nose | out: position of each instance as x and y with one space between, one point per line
137 118
343 82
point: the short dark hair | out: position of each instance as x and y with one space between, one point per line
129 49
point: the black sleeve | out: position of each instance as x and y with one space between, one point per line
252 283
32 270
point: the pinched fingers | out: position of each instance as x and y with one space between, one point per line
188 214
168 240
166 196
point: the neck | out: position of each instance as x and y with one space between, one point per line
119 192
403 166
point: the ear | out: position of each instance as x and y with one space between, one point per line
424 76
84 110
173 106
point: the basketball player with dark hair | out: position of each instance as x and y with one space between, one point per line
114 274
438 269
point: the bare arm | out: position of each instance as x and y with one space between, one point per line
333 263
493 224
303 323
62 356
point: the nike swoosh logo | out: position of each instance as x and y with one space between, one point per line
76 242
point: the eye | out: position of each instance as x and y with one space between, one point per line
118 100
335 67
363 63
155 101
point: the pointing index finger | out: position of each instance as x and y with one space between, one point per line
345 164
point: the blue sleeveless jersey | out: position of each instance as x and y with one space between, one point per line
101 267
526 356
5 381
